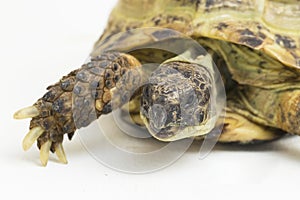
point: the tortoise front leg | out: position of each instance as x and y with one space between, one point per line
75 101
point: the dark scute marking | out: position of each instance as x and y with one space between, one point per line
251 41
209 3
124 36
156 21
285 41
261 35
107 39
164 34
189 3
198 2
221 26
247 32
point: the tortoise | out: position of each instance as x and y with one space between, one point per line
255 45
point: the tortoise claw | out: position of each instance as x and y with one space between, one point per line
44 153
27 112
60 153
31 137
57 113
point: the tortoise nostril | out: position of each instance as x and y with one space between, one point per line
157 116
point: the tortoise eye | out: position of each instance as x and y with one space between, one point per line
200 117
147 91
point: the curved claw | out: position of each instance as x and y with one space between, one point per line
60 153
27 112
31 137
44 153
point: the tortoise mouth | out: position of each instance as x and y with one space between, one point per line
174 131
163 132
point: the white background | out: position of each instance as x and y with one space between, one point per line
43 40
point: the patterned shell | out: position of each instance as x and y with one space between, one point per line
271 26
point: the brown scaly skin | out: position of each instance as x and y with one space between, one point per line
55 109
81 97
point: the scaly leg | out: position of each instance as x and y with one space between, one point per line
76 100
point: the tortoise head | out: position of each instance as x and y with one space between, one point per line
176 103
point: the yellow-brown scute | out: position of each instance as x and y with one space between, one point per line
270 26
290 112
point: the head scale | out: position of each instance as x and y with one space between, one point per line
176 101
